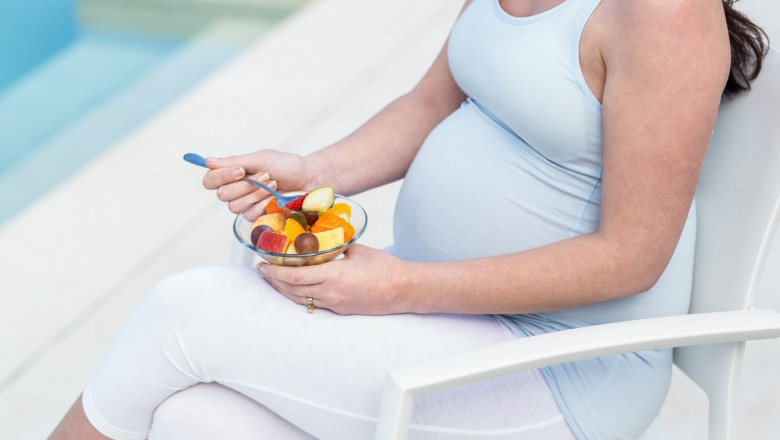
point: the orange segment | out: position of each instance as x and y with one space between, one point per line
342 210
329 220
292 229
272 207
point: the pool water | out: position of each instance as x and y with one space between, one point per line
77 80
90 94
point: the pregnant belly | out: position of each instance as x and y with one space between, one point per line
476 190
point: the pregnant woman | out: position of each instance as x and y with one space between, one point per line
550 158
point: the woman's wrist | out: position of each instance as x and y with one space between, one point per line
315 171
410 294
327 168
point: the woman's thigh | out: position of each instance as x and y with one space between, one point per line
322 372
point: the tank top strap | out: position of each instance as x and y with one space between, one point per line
585 11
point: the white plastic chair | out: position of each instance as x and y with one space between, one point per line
738 203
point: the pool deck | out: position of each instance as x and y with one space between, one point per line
74 264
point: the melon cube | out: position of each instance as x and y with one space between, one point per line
330 239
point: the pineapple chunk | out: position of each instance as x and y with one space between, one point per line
330 239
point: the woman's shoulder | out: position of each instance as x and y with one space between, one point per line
662 29
662 17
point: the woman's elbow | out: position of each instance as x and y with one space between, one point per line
638 270
644 275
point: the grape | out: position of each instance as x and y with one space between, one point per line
306 243
311 217
300 218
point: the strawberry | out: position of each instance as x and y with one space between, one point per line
297 204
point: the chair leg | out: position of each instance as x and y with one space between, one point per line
715 368
395 413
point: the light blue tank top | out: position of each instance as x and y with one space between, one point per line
530 134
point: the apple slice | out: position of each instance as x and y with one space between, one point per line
259 230
330 239
272 242
319 200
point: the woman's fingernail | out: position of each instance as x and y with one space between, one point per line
264 177
238 173
261 268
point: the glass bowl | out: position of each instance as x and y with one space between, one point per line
242 231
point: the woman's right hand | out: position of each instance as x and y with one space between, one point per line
282 171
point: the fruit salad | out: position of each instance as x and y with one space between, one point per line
313 224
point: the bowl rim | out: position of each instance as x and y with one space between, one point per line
312 254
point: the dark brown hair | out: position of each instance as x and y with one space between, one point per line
749 45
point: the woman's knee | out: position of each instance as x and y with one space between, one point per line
188 294
201 308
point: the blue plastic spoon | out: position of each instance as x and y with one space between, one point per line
281 201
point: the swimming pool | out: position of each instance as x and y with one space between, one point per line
86 94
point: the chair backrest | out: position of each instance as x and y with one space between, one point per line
738 207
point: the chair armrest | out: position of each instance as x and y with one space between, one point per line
404 383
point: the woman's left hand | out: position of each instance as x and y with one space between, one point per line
366 281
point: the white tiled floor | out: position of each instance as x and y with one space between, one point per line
75 263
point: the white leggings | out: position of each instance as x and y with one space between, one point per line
217 353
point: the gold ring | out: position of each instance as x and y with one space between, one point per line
310 305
